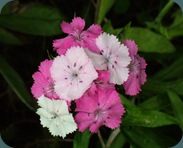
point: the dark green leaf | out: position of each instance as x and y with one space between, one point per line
16 83
116 139
177 105
81 140
147 118
146 138
172 71
155 103
104 7
35 19
136 116
156 86
149 41
8 38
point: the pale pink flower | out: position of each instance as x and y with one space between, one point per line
77 37
114 58
43 83
137 76
73 73
103 108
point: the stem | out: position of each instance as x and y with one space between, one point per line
164 11
101 140
112 137
97 10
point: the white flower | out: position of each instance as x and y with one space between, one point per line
114 57
55 116
73 73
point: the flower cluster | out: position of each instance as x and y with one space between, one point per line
88 66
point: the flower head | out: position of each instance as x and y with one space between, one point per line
73 73
114 58
43 83
103 108
137 76
77 37
55 116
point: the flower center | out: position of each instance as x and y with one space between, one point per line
78 35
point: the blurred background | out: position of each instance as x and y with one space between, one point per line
27 30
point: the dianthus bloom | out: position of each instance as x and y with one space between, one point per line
43 82
114 58
103 108
137 76
77 37
73 73
55 116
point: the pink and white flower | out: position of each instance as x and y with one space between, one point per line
77 37
73 73
43 82
114 58
137 76
103 108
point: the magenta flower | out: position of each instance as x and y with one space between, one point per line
43 83
73 73
137 76
77 37
103 108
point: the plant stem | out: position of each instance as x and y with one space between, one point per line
101 140
112 137
164 11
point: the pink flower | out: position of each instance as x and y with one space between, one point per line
77 37
103 108
114 58
43 83
73 73
101 83
137 76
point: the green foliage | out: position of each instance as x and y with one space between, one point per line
8 38
16 83
34 19
104 7
149 41
177 105
157 28
81 140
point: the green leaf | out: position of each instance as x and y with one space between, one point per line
16 83
104 7
171 71
109 29
177 105
34 19
116 139
8 38
81 140
147 118
149 41
136 116
176 28
157 86
158 102
146 138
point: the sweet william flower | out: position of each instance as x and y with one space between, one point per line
77 37
113 57
73 73
137 75
43 82
103 108
55 116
